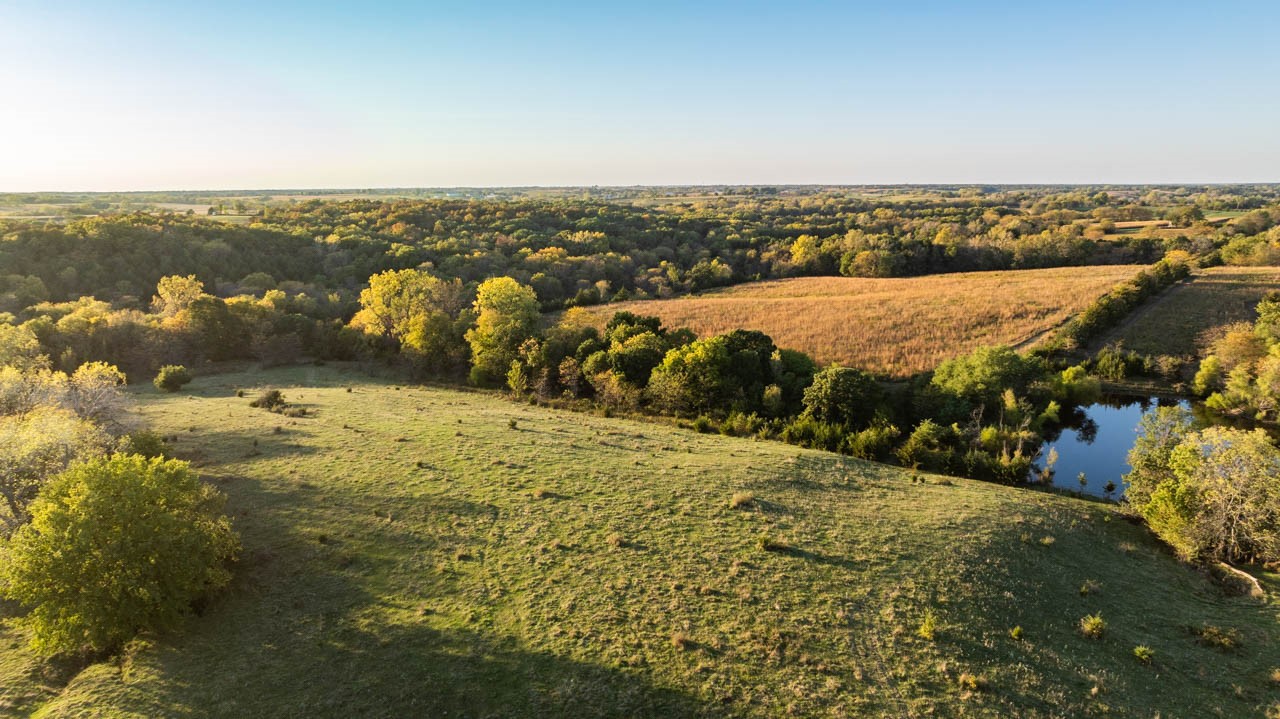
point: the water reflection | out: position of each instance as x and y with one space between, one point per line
1094 443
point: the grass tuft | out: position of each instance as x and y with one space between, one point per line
1224 639
928 628
770 543
1144 654
681 641
1093 626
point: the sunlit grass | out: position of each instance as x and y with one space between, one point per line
409 553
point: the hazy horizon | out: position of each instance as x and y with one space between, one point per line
140 96
390 189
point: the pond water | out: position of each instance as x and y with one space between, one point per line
1098 444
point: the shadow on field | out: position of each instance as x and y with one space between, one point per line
416 671
331 615
1115 570
818 558
230 445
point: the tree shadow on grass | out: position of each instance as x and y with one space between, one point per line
205 446
412 671
325 622
307 635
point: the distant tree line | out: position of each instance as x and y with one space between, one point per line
579 252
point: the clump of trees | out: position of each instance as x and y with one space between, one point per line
1210 494
100 537
981 415
50 420
421 316
1241 374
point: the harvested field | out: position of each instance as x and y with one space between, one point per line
894 327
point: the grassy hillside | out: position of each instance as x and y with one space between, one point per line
427 552
896 327
1172 324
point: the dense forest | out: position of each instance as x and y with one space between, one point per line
576 251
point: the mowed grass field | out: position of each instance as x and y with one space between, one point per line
893 327
413 551
1173 323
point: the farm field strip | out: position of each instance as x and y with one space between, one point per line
1174 323
894 327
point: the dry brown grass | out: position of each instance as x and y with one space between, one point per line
894 327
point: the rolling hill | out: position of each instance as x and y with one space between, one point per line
417 551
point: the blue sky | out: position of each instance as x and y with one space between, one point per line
150 95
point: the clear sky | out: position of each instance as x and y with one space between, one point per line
130 94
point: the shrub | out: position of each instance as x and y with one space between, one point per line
738 424
926 448
809 432
1223 639
144 442
702 424
1093 626
1016 633
1144 654
773 544
171 378
741 499
971 682
874 442
116 545
271 400
681 641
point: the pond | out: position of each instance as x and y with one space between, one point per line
1098 442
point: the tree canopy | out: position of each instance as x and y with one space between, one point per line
114 546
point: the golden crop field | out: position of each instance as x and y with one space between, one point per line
894 327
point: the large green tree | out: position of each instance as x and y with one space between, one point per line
506 315
427 316
842 395
19 348
716 374
1211 494
983 375
115 546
